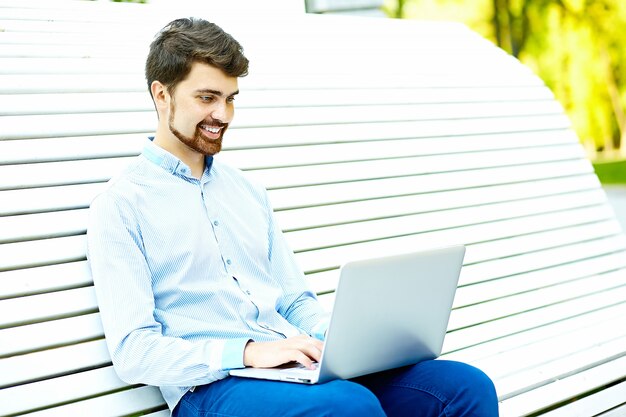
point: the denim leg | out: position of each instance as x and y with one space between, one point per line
243 397
434 388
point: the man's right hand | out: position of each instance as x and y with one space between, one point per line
302 349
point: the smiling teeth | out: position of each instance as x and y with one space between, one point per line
212 129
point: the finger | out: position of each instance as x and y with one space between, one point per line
312 351
302 359
319 345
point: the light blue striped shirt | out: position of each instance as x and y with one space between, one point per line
187 271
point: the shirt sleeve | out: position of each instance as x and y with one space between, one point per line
139 351
299 304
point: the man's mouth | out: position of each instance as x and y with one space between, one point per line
211 129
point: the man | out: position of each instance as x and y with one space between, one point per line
194 278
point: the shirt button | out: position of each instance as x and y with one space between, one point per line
228 261
216 223
248 292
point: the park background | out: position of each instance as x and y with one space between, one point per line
575 46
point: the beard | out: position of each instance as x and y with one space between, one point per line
199 142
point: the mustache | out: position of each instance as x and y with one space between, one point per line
213 122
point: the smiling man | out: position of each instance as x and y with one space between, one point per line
194 277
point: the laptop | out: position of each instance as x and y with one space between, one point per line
389 312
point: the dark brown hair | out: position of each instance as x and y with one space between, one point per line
185 41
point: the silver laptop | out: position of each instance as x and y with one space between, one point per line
389 312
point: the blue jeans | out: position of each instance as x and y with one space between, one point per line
430 388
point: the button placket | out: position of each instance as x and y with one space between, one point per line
215 222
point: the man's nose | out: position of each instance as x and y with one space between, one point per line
222 112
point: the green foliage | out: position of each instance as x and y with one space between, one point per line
575 46
611 172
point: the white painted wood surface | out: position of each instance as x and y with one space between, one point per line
372 137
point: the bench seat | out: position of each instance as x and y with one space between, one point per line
372 137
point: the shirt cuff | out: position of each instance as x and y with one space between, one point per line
229 355
319 330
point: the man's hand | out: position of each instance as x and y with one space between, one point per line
302 349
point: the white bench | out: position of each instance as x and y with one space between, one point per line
372 136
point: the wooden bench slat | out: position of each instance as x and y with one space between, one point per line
498 246
16 202
62 125
60 38
38 200
562 189
543 278
531 261
29 104
457 339
317 195
84 171
492 350
30 397
564 364
83 147
458 101
604 400
51 51
55 125
331 257
513 217
299 116
50 363
61 173
289 156
44 252
359 132
67 83
290 51
524 264
554 357
50 334
41 279
71 222
54 65
539 298
65 10
569 387
43 226
134 401
41 307
419 165
72 248
395 144
131 82
477 287
40 104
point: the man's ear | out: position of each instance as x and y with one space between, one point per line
159 95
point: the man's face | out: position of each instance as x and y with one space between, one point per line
201 108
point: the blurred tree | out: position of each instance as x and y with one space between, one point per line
575 46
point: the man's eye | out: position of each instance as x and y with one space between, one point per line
206 98
230 99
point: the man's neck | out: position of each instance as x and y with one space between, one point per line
193 159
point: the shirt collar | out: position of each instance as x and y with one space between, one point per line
169 162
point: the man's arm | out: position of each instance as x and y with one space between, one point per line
140 353
299 304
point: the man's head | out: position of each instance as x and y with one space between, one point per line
185 41
192 70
